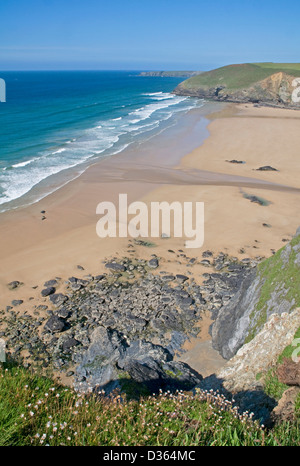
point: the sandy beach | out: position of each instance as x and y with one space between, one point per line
34 250
149 226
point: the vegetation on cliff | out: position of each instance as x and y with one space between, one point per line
272 385
265 83
44 413
280 283
270 288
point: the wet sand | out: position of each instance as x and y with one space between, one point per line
33 250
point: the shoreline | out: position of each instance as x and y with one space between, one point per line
57 181
93 181
33 251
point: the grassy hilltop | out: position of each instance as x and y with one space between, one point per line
269 83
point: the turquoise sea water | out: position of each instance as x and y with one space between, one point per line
53 121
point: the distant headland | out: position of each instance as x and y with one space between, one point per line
171 74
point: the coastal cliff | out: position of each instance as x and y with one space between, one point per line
258 332
270 288
265 84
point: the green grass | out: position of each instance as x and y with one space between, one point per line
147 244
240 76
277 276
272 386
289 67
288 351
36 411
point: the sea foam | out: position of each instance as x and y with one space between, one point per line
85 138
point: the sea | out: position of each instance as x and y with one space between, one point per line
60 122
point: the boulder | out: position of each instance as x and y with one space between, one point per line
289 372
17 302
115 267
69 343
58 299
267 168
55 324
52 282
153 263
97 367
14 284
48 291
181 278
285 410
143 374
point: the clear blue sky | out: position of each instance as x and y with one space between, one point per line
146 34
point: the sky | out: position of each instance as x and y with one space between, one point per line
146 34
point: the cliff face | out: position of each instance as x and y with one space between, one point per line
255 357
245 375
257 327
276 89
273 288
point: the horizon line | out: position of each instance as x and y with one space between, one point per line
96 70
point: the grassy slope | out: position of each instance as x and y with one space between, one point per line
289 67
272 386
35 411
240 76
277 276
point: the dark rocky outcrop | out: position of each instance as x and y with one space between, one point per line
125 329
55 324
267 168
235 161
153 263
115 266
14 284
48 291
58 299
121 327
53 282
264 291
111 358
16 302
